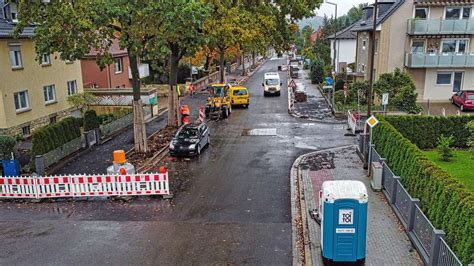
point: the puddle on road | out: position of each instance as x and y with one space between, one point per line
259 132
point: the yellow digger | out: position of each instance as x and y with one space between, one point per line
219 103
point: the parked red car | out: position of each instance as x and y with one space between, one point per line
464 99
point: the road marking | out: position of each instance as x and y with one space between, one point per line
260 132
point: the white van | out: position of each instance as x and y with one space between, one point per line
271 84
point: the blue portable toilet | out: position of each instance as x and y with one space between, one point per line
343 212
11 168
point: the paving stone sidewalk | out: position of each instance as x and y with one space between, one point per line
316 107
387 242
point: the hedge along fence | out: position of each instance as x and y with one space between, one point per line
52 136
446 202
424 131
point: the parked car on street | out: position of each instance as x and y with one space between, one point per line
190 140
464 99
239 96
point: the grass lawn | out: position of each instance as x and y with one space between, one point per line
461 166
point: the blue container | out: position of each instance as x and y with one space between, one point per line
343 212
11 168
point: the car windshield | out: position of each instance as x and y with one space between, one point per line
271 82
470 97
187 133
240 92
217 91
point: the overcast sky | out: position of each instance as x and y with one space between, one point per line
342 7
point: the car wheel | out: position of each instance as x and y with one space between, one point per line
461 108
225 112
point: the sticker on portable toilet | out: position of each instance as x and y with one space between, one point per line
346 216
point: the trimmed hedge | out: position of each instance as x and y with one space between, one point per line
446 202
424 131
91 121
52 136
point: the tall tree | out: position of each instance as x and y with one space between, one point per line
179 25
74 28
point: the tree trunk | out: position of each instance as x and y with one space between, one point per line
253 59
222 65
173 100
243 65
139 130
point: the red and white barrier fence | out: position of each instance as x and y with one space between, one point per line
62 186
352 121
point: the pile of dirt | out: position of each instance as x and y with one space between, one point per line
156 143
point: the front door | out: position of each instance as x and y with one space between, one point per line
457 82
345 235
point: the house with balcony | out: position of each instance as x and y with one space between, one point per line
430 39
440 48
32 93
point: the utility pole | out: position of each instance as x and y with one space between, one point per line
371 83
334 53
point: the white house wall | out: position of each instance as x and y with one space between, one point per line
345 52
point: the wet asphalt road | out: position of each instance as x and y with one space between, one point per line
234 209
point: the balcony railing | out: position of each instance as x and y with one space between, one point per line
440 26
421 60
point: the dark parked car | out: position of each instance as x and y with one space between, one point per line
190 140
464 99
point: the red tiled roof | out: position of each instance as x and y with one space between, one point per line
114 50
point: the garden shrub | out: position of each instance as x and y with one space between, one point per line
424 131
7 144
91 121
444 147
50 137
446 202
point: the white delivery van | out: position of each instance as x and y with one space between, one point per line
271 84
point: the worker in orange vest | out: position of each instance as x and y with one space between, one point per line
185 114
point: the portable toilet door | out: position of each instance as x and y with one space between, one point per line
346 213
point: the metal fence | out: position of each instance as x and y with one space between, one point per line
425 237
59 153
446 255
114 126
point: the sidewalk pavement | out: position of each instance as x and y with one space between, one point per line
436 108
316 107
387 242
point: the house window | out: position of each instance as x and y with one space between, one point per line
376 45
443 78
53 119
364 43
45 60
13 12
26 130
421 13
71 87
15 57
457 13
454 46
49 94
417 46
118 65
21 101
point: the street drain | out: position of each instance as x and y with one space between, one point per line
259 132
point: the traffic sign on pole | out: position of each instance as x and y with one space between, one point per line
372 121
292 84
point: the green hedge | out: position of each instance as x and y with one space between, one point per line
424 131
91 121
7 144
50 137
446 202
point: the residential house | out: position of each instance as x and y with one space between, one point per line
33 93
346 45
431 39
115 75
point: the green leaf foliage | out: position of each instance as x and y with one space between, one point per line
424 131
7 144
91 121
50 137
444 147
446 202
317 71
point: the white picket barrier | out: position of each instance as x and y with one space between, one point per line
13 187
63 186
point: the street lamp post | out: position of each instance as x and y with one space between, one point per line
335 51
